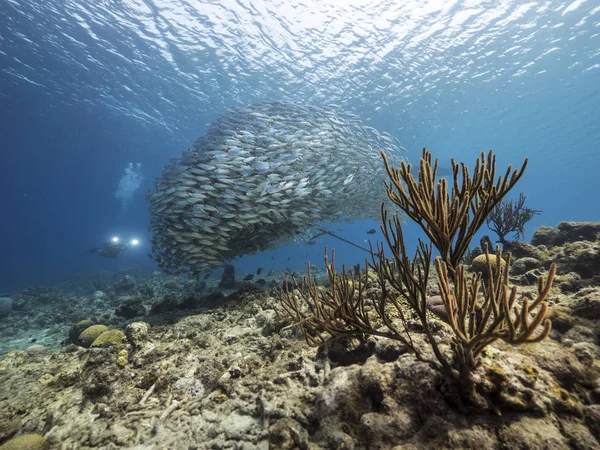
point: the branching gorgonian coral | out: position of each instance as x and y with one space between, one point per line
510 217
479 312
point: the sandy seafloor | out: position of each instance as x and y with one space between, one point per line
198 366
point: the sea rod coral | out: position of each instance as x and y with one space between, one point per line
510 217
478 312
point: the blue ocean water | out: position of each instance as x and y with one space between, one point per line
88 87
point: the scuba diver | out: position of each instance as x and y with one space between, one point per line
112 248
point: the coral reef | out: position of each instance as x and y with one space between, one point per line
233 377
207 368
479 310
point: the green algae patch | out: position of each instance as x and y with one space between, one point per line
109 338
90 334
26 442
83 324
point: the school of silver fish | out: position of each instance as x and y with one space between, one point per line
262 175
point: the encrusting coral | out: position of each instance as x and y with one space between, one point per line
476 323
480 310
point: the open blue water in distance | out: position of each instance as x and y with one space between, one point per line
86 87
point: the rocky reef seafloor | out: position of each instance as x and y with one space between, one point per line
151 362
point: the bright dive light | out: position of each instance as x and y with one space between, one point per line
134 242
115 239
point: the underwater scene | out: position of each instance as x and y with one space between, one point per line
300 224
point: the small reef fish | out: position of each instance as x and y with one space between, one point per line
262 176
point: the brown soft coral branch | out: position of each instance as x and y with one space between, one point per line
479 319
478 312
450 219
341 310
